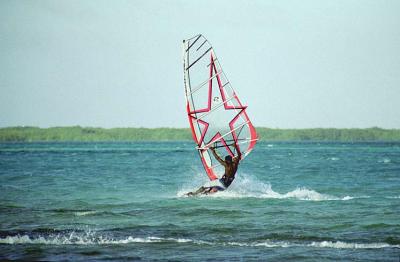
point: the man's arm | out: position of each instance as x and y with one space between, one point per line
239 154
222 162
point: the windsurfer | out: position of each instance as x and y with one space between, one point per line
230 164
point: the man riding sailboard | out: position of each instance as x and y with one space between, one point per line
231 165
218 120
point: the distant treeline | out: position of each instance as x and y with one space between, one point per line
77 133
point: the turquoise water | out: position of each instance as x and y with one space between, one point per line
124 201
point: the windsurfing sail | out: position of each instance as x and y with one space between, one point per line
217 118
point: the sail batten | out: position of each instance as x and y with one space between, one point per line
205 82
216 116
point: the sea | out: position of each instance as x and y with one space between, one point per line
124 201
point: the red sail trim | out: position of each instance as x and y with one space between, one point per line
208 108
253 135
190 122
221 88
210 172
217 137
202 132
231 125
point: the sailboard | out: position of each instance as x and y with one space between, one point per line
217 118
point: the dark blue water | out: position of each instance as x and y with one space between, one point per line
124 201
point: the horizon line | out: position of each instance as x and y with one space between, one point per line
161 127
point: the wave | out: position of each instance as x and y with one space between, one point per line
321 244
93 239
246 186
393 197
385 160
345 245
88 239
85 213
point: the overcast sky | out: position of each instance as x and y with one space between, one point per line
296 64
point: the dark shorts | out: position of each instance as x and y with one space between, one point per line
218 188
217 184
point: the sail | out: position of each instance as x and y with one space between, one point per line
216 116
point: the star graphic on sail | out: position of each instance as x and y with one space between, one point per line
221 107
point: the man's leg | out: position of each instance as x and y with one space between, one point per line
213 189
201 190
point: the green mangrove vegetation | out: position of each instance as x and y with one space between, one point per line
87 134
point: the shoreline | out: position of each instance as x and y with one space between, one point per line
128 134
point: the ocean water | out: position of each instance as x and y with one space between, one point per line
124 201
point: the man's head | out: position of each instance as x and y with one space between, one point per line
228 159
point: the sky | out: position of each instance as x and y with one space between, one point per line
296 64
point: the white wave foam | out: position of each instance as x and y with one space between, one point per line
393 197
306 194
92 239
322 244
246 186
261 244
345 245
87 239
347 198
85 213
